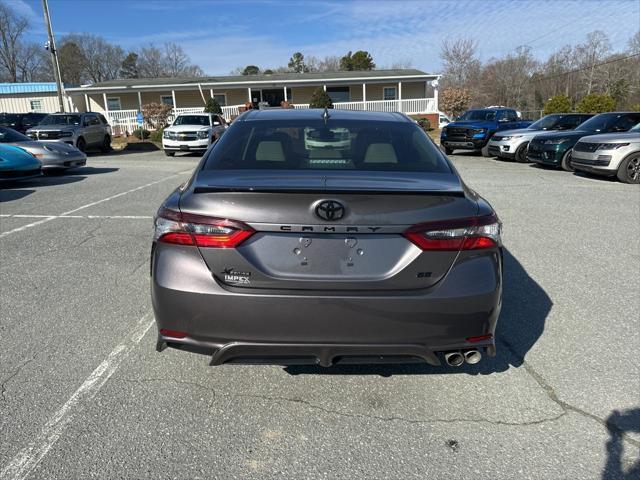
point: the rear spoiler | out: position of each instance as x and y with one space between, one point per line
219 189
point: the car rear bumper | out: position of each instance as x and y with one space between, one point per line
325 328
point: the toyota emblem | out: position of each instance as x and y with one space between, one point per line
330 210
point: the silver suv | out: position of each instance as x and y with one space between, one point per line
82 130
612 154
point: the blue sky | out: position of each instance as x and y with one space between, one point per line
221 35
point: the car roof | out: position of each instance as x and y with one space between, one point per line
316 113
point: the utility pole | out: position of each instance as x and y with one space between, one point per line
51 46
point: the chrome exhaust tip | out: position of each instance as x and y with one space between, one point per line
454 359
472 356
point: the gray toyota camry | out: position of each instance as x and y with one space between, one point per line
326 236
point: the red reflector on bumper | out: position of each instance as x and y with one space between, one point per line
172 333
480 338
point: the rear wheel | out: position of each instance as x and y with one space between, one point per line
448 151
485 151
566 161
106 144
629 169
81 144
169 154
521 153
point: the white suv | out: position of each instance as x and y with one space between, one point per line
192 132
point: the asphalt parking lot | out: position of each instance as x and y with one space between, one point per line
84 394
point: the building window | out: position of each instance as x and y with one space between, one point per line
339 94
221 98
389 93
167 99
36 105
113 103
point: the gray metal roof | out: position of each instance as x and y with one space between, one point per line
132 83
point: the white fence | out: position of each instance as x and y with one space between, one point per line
125 121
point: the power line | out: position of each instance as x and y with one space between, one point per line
545 77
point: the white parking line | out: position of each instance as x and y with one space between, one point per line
48 219
29 457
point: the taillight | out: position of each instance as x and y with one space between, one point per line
472 233
199 230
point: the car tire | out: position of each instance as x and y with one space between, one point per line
521 153
485 151
169 154
629 169
566 161
106 144
448 151
81 144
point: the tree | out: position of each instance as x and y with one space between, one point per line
100 59
591 53
251 70
268 71
325 64
129 68
320 99
212 106
177 63
296 63
150 62
72 63
12 27
557 104
596 103
455 101
461 65
156 114
360 60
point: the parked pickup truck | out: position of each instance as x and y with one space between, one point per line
473 129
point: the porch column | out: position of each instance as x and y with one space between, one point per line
435 97
211 92
324 87
173 97
140 101
285 94
106 108
249 94
87 105
364 96
400 97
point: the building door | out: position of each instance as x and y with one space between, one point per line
275 96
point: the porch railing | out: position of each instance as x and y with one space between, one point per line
126 120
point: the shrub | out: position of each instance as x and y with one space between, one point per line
557 104
425 124
156 135
596 103
140 133
212 106
156 114
455 101
320 99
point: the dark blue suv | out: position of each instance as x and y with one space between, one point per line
473 129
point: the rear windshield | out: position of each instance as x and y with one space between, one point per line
8 135
9 119
61 120
338 145
192 120
478 115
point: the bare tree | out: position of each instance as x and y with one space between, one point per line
172 62
461 65
589 54
12 27
33 63
175 60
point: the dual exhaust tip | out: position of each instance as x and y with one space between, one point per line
457 358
